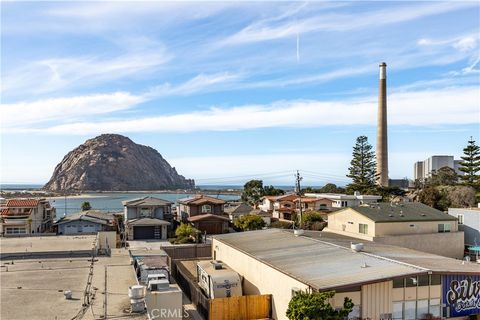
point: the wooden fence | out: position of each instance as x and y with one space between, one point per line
241 308
189 251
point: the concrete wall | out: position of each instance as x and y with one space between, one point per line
443 244
258 278
107 239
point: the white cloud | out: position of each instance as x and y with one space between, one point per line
50 75
264 30
421 108
201 82
77 107
64 109
466 44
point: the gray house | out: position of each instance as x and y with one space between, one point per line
85 222
147 218
469 223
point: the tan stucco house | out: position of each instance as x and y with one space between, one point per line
412 225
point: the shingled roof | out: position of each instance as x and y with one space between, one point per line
403 212
146 201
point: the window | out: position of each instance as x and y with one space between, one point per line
460 219
435 307
422 309
397 311
435 280
411 282
443 227
206 208
15 230
145 212
410 312
363 228
423 281
323 206
398 283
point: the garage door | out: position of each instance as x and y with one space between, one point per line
143 233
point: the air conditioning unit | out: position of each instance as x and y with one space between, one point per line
158 285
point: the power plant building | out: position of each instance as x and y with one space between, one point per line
424 169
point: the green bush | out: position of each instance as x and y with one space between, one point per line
311 218
315 306
186 233
249 222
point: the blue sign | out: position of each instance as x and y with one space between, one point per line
461 294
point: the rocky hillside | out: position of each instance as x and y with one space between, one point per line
111 162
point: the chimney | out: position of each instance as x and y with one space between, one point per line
382 141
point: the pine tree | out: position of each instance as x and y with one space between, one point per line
362 167
471 164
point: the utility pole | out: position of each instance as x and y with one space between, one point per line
298 178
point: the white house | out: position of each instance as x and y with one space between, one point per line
469 223
346 200
26 216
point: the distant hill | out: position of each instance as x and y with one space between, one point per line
112 162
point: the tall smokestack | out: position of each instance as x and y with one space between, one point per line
382 141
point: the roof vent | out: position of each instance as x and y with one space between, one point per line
365 265
217 265
390 215
423 215
357 247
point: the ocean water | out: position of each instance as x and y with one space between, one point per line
113 201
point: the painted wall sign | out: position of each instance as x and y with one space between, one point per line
462 294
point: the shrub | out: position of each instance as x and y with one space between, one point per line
186 233
315 306
249 222
311 218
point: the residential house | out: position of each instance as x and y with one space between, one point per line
147 218
205 213
469 223
412 225
236 210
239 209
339 200
26 216
286 206
84 222
267 203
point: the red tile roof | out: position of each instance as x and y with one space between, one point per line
22 203
4 212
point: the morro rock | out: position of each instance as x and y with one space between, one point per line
111 162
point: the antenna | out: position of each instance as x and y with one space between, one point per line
298 190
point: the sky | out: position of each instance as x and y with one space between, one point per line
229 91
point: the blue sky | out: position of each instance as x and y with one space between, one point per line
228 91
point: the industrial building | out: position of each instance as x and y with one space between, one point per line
424 169
384 282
